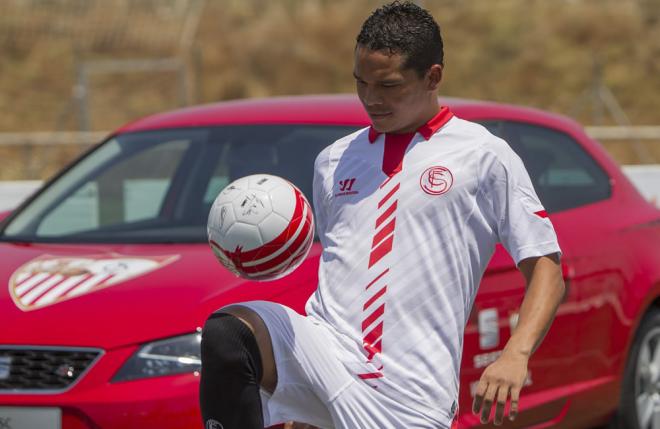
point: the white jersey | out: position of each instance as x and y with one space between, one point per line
408 224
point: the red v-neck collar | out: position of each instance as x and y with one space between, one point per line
426 130
396 144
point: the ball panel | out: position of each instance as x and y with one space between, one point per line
295 256
299 257
221 217
252 206
223 258
275 246
264 182
283 200
283 254
272 226
241 237
233 190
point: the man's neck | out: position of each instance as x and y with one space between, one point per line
429 114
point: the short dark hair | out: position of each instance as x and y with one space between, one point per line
406 29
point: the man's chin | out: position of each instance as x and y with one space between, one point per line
382 124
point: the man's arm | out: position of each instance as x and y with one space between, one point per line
505 376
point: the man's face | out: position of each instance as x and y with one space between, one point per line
396 98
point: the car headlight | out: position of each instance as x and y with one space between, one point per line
176 355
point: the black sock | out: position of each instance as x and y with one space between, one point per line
231 372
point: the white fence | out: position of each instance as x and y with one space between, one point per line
647 180
12 193
645 177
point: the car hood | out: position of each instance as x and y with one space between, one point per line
116 295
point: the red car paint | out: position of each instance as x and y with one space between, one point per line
611 264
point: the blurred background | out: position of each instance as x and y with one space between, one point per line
73 70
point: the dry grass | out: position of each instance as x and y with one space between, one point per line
532 52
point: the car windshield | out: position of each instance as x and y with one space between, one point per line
158 186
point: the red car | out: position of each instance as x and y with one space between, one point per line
109 277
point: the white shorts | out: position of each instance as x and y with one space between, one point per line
313 385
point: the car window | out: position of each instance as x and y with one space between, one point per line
495 127
125 192
563 173
158 186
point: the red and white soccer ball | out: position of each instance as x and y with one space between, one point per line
261 227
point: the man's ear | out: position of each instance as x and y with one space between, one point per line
434 77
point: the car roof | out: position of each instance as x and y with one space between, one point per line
339 109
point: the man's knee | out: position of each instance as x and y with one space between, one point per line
231 374
264 342
245 315
229 343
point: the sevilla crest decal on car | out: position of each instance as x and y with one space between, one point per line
48 279
436 180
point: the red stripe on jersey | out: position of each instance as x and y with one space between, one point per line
374 298
386 214
377 278
370 375
383 233
374 335
543 214
386 181
389 195
373 317
383 249
394 150
373 349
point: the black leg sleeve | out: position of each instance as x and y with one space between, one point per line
231 373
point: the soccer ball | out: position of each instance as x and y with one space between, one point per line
260 227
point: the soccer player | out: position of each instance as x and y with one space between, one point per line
408 211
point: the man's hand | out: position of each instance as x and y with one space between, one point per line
506 376
500 379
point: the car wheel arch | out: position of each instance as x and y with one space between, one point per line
648 310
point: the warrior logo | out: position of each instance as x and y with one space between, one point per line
436 180
346 187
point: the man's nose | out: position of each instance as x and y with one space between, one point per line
371 96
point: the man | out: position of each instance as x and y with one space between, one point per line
402 259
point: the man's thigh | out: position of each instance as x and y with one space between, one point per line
306 363
313 383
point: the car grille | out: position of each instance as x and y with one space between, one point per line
43 369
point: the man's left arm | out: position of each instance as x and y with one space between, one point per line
505 376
